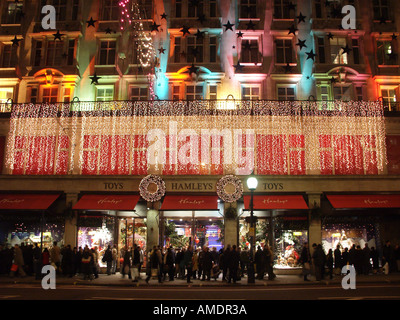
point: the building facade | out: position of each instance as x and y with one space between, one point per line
194 91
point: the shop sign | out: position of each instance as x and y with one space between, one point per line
113 185
192 186
273 186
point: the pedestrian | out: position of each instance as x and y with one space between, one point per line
305 260
201 262
366 259
95 262
108 259
329 263
195 268
387 257
18 263
155 262
37 263
135 263
87 260
397 256
114 253
182 268
244 261
259 259
338 259
352 255
207 264
345 257
269 261
55 256
375 259
188 261
45 257
126 265
318 258
170 262
223 262
233 264
66 262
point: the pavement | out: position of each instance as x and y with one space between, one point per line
280 280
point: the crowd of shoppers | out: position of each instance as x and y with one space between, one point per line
168 264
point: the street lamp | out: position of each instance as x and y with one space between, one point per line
251 185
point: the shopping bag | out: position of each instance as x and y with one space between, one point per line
14 267
154 272
135 273
386 268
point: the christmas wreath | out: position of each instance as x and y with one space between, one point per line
230 180
144 188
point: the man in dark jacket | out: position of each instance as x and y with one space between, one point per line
233 264
319 259
207 262
338 258
107 258
305 260
188 259
260 263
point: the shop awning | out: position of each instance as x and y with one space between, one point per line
192 203
107 202
276 202
364 201
27 201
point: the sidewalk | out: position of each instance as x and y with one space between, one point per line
280 280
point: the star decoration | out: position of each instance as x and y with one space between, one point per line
15 41
288 68
108 31
301 18
250 25
302 44
193 69
185 30
394 36
330 36
90 23
333 80
293 30
161 50
95 79
58 35
240 34
199 34
311 55
228 26
382 20
163 16
154 26
238 67
346 49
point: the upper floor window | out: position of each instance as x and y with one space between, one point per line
389 97
61 9
286 93
13 12
250 52
146 7
284 51
282 10
194 92
330 8
139 93
5 94
49 94
47 52
213 9
8 56
110 10
381 9
195 10
385 52
178 8
107 52
342 92
336 49
104 93
194 49
248 8
251 92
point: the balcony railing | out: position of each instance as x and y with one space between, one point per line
206 107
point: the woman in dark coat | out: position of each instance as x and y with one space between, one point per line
207 262
329 263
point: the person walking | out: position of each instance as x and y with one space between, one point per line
259 259
387 256
318 258
135 263
114 253
170 262
223 262
126 265
233 264
366 259
195 264
155 262
37 263
244 261
338 259
45 257
269 262
207 264
345 257
55 256
305 260
188 262
87 260
329 263
18 263
375 259
108 259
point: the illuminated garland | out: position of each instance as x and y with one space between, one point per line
229 180
144 186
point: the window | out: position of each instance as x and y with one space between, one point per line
147 9
251 92
195 11
178 8
250 53
194 49
385 53
67 95
71 52
336 48
139 93
389 98
318 8
75 9
321 49
33 94
286 93
248 8
177 50
356 51
104 93
212 92
61 9
213 8
342 92
107 52
54 53
213 49
5 94
359 93
13 14
194 92
37 53
9 56
282 11
176 92
381 9
50 95
110 10
284 51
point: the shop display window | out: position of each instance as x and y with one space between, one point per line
288 246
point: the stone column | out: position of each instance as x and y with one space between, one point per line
153 230
315 227
70 231
231 226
